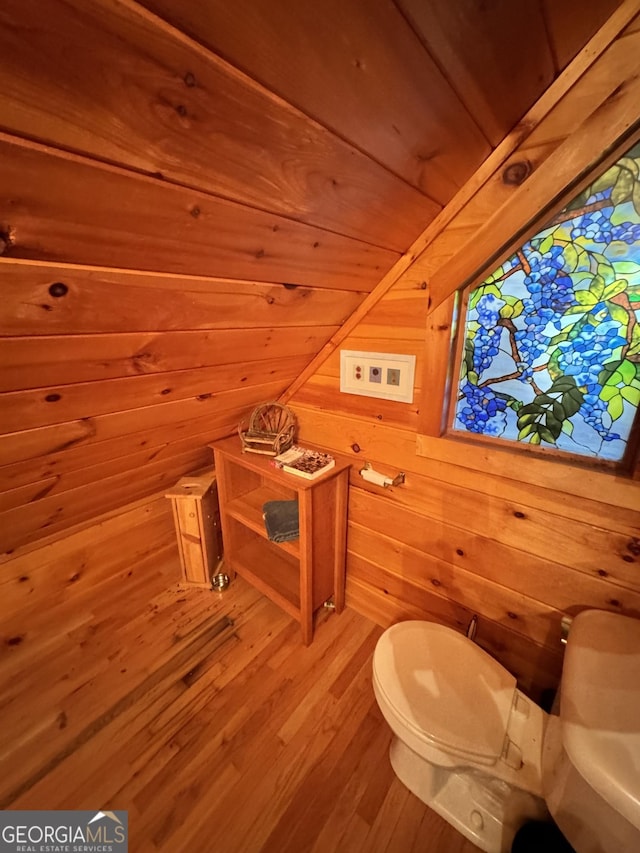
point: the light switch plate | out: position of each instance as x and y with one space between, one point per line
377 374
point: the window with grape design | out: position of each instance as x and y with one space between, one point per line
551 339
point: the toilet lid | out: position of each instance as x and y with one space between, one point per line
445 688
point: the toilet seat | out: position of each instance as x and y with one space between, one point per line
443 690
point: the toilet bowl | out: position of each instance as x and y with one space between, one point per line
485 757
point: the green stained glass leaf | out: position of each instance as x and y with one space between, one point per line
576 309
571 257
606 181
526 431
529 417
608 393
550 434
597 287
630 165
627 268
586 297
623 187
573 402
555 371
631 395
628 372
618 314
615 407
546 245
635 198
618 286
606 271
558 339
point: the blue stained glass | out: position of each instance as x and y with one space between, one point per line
552 338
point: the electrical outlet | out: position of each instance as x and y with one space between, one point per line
393 376
377 374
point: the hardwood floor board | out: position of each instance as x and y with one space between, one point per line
136 725
279 766
378 783
340 831
407 827
315 796
79 665
337 656
227 711
359 659
78 614
354 836
385 826
86 702
232 725
204 716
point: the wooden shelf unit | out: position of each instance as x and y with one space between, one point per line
299 575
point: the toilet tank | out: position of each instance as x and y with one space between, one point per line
591 756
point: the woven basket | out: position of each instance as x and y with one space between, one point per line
270 431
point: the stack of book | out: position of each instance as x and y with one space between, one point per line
304 462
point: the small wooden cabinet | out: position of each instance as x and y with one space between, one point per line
298 575
194 501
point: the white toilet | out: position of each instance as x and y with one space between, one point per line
486 758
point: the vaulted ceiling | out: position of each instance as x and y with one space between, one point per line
350 123
196 195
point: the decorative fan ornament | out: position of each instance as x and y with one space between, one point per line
270 431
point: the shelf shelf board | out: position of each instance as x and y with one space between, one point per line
275 575
247 510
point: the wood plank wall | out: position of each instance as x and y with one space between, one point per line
195 196
515 540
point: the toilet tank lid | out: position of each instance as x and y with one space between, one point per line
600 706
446 688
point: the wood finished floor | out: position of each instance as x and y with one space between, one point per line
203 715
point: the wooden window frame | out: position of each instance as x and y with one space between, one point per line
534 202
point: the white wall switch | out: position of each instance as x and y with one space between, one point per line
377 374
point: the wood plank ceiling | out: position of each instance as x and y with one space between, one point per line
195 195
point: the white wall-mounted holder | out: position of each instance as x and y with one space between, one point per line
377 374
370 476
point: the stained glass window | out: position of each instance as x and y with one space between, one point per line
551 353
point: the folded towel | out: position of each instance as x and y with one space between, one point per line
281 520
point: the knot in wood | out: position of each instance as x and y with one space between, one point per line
58 289
6 240
517 173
